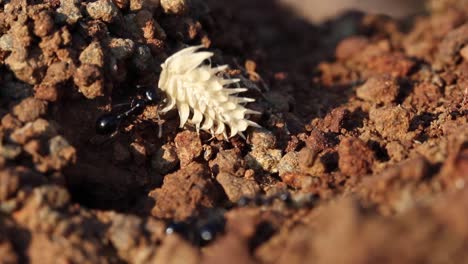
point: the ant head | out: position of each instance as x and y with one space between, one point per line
152 96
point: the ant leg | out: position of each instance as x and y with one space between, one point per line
160 125
100 140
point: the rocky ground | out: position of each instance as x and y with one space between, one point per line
362 156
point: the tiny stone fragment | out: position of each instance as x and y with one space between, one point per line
89 80
184 193
121 48
336 119
142 57
39 127
6 42
188 147
104 10
69 11
30 109
165 160
139 152
288 163
176 250
355 157
175 7
396 151
450 46
266 160
10 151
136 5
228 161
379 89
262 139
351 46
43 24
236 187
391 122
93 54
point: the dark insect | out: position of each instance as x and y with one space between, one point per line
199 231
202 230
108 124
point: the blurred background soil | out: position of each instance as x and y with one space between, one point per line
364 123
317 10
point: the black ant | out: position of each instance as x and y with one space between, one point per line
201 231
108 124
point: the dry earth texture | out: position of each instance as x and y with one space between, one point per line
364 123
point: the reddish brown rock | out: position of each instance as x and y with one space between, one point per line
379 89
30 109
10 122
175 250
335 120
35 129
391 122
228 161
355 157
318 140
449 48
104 10
46 92
135 239
176 7
426 95
188 147
184 193
236 187
351 46
93 54
397 65
89 80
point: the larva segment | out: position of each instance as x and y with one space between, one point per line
199 90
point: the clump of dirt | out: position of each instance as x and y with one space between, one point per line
363 145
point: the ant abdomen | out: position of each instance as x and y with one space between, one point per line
107 124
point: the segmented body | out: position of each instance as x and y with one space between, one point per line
200 91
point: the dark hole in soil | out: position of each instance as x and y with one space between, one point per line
380 152
262 234
423 120
330 161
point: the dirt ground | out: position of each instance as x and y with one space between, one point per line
318 10
362 156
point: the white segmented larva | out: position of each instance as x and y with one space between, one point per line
198 89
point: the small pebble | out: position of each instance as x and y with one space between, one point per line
262 139
142 57
104 10
174 7
379 89
30 109
121 48
165 160
10 151
69 11
93 54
